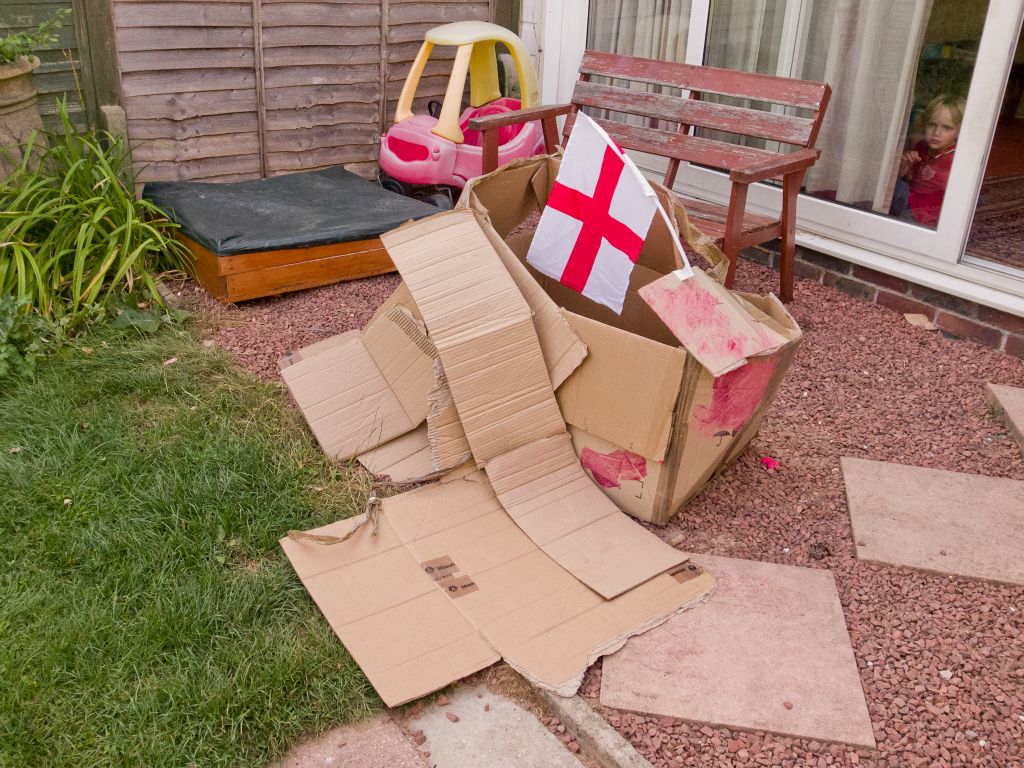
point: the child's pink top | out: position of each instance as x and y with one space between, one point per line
928 179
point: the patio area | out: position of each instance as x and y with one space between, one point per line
940 658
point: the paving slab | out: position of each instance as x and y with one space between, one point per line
373 743
1009 403
945 522
491 731
768 652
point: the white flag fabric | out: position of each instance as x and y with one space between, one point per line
596 219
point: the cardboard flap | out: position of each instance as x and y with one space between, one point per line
482 328
545 490
358 390
458 580
562 348
372 591
709 321
404 355
352 418
626 390
406 459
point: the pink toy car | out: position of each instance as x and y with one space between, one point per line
422 153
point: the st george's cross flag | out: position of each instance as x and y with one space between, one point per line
597 217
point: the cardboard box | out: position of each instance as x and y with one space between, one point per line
522 553
462 347
675 388
519 557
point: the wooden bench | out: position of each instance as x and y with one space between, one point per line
672 134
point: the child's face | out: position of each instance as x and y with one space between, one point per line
941 132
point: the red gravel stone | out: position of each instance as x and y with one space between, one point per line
865 383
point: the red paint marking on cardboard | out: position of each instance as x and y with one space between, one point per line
735 396
611 469
697 318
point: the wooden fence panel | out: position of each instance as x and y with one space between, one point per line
321 70
225 90
189 88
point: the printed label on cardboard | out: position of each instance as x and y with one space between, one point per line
686 572
439 568
457 586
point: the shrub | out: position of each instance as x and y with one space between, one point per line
72 233
21 338
23 44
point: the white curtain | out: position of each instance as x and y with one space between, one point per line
867 50
654 29
871 63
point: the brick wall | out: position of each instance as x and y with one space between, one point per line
954 316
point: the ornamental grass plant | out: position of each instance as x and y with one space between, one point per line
73 234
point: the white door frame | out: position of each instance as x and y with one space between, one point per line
928 257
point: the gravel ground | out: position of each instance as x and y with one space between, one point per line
866 384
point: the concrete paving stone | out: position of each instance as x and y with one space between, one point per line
1009 401
946 522
491 732
769 651
373 743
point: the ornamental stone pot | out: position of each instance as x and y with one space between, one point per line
19 112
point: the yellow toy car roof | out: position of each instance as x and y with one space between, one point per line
469 32
475 56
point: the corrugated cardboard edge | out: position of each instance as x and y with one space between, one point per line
572 685
446 439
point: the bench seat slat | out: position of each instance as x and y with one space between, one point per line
705 114
725 82
694 149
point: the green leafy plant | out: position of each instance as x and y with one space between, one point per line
23 44
73 234
22 338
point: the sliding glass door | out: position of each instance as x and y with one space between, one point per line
917 87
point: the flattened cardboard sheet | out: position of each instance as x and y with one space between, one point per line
406 635
709 321
405 459
450 582
544 489
483 331
360 389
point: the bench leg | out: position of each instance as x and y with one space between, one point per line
790 190
734 229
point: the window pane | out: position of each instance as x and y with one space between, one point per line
652 29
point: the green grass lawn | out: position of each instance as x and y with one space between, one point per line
147 614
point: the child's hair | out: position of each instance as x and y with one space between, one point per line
955 105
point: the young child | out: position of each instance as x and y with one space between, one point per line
924 170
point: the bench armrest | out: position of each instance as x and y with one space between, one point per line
489 122
760 170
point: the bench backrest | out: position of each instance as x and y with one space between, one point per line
692 111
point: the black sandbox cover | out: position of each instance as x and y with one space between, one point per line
295 210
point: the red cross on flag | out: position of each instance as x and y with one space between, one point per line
596 219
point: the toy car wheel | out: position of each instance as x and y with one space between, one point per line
440 200
391 184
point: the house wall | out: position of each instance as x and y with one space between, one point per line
225 91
